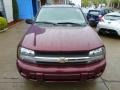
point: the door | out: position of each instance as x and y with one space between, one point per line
25 9
34 4
2 12
43 2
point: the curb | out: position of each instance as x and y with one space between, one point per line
11 25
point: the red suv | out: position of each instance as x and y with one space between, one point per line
60 46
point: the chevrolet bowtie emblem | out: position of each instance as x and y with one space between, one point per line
62 60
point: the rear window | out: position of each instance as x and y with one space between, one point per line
94 12
112 17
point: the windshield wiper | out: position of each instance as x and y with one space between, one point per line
73 23
45 22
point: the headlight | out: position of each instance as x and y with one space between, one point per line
97 54
26 54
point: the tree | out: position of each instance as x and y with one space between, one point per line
85 3
115 3
96 2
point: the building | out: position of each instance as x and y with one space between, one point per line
76 2
1 8
6 9
57 1
29 8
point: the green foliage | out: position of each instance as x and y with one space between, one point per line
3 23
105 1
85 3
15 9
115 1
96 2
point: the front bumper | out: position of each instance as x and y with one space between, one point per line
50 73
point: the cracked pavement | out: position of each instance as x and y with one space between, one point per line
11 80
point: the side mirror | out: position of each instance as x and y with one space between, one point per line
29 21
92 23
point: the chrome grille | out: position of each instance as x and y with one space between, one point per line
62 58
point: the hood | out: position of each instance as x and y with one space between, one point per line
61 39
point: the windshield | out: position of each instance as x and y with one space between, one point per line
61 15
112 17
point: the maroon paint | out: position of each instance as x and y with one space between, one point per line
36 31
61 39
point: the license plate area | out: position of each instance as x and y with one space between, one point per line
61 77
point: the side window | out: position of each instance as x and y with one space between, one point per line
110 11
106 11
